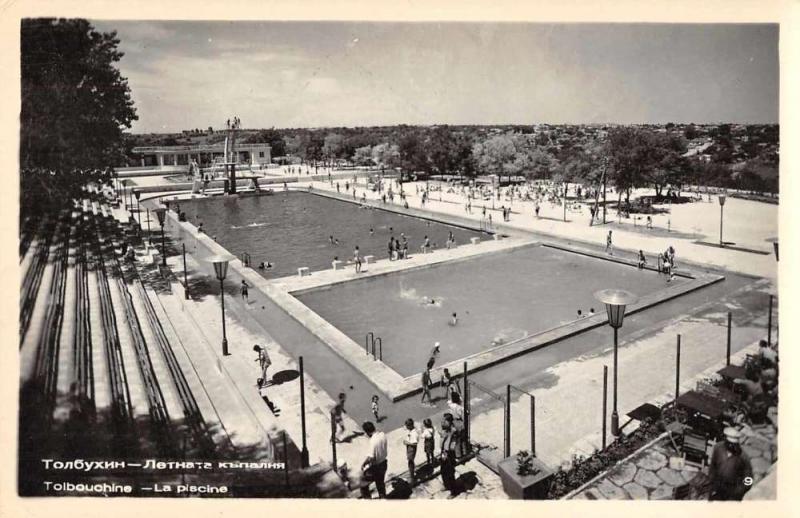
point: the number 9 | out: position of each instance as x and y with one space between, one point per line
748 481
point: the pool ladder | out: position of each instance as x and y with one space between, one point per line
369 346
245 259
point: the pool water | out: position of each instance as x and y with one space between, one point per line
498 298
293 229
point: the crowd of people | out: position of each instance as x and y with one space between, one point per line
420 441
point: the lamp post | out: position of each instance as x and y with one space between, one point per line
138 194
161 213
220 263
721 207
615 302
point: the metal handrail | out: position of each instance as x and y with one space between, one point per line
368 343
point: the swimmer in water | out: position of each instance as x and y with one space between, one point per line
330 238
454 320
371 231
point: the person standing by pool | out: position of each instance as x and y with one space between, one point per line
426 387
244 290
642 260
434 355
375 464
391 248
374 406
411 442
429 441
536 210
357 259
405 247
449 384
337 414
426 245
609 244
454 320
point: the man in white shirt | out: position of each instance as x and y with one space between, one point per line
411 440
375 465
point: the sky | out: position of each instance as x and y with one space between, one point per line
187 75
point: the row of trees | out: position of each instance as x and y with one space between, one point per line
627 157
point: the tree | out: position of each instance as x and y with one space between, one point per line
630 153
448 152
510 154
496 154
333 146
271 137
386 155
75 103
363 156
668 165
412 154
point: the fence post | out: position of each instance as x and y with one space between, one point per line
507 428
728 348
285 460
333 444
533 425
678 370
769 323
304 451
466 408
605 402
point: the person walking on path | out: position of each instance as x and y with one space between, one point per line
449 384
457 410
609 244
357 259
730 468
426 387
374 406
448 453
373 469
244 288
337 414
429 441
411 441
433 355
264 362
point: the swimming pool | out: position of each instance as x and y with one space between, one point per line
498 298
293 229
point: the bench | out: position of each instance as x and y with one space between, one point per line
337 265
303 271
369 259
475 240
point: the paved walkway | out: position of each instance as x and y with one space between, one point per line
748 224
648 475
